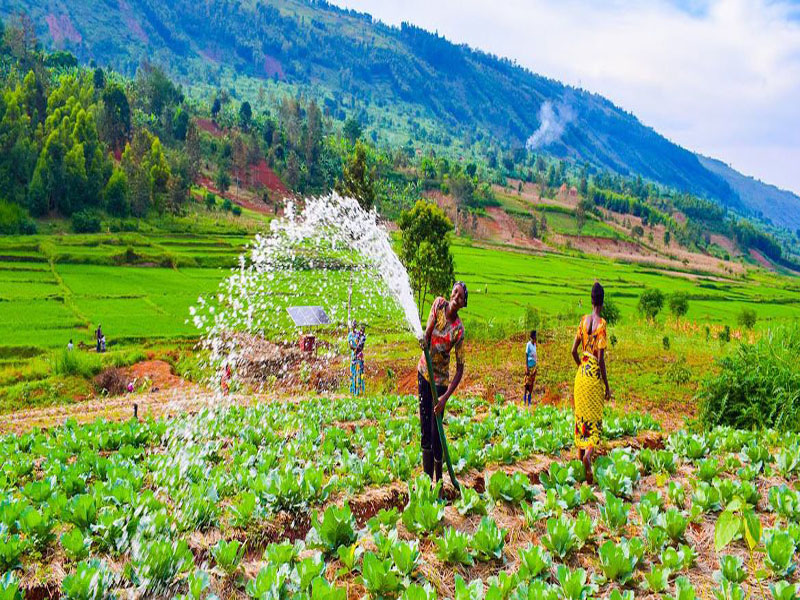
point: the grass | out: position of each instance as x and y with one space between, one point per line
57 287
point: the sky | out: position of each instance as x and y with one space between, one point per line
719 77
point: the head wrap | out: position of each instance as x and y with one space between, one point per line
463 287
597 294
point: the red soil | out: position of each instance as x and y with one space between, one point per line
61 28
273 67
130 20
209 126
159 372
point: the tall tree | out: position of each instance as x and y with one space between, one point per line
358 178
425 250
115 116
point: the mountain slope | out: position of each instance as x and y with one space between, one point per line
343 51
779 206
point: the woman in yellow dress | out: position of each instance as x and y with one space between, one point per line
591 382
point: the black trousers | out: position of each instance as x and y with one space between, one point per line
427 418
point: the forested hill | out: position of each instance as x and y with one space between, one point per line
345 52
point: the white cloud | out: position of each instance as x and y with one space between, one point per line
720 77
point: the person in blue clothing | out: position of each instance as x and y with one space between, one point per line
531 364
355 340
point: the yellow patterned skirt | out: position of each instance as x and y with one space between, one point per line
589 399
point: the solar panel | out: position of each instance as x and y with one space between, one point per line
306 316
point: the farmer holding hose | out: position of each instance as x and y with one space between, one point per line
444 332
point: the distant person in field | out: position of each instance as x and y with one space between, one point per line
98 335
531 366
103 344
70 346
443 333
591 382
356 343
224 382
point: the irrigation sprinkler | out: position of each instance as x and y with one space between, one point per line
445 451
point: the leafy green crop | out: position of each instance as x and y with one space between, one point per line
731 569
227 555
11 549
158 562
453 547
533 562
780 549
614 513
488 540
337 528
91 581
512 489
470 502
378 576
406 557
616 562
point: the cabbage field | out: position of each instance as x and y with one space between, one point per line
322 498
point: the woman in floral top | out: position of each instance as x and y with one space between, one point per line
444 332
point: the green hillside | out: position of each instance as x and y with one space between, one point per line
359 63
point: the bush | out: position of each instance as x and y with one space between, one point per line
679 373
14 219
665 342
532 318
650 303
237 211
227 205
725 334
610 311
678 304
747 318
211 201
758 385
116 194
86 221
112 382
76 363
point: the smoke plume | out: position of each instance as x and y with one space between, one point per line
553 119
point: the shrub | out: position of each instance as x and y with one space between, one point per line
758 385
532 318
237 211
14 219
113 382
725 334
747 318
86 221
610 311
227 205
665 342
73 362
210 200
650 303
116 194
678 304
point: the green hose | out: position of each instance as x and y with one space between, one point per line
445 451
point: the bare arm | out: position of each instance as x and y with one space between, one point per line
575 355
602 361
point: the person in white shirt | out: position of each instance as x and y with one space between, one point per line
70 346
531 362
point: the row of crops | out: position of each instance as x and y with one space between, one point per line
187 507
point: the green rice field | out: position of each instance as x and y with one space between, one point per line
54 288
